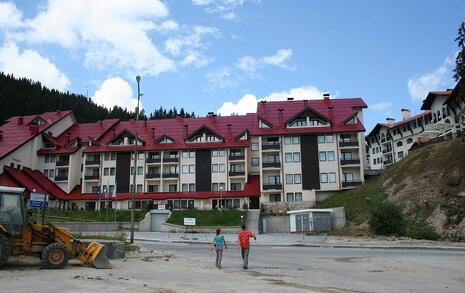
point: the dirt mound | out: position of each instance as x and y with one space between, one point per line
430 184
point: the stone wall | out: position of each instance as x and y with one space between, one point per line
281 208
275 224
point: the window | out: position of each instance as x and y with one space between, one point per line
107 157
235 186
185 154
400 155
295 140
330 155
46 173
274 180
153 188
112 171
214 186
299 123
172 188
113 156
111 188
185 169
321 139
290 197
332 177
324 177
132 170
288 157
287 140
255 146
106 171
140 170
399 143
275 197
322 156
221 153
346 137
191 169
141 156
409 140
255 162
298 196
185 187
346 156
215 153
221 168
215 168
296 157
329 138
289 179
222 186
95 189
139 187
191 187
404 128
297 179
347 177
47 159
173 170
191 154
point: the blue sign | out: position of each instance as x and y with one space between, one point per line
38 201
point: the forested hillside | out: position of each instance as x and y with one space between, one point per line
21 96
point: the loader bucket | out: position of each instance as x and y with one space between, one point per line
96 255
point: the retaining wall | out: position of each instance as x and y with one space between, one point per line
83 227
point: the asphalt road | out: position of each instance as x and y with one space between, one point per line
335 269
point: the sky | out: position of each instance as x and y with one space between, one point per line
223 56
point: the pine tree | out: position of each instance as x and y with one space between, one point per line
460 60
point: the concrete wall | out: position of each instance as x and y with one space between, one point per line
275 224
83 227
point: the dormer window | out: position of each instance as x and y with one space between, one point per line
166 140
125 138
204 134
299 123
38 121
243 136
353 120
307 118
263 124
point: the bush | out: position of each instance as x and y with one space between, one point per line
386 219
422 230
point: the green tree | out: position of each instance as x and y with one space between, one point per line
460 59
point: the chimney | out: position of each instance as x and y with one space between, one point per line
113 132
100 123
153 132
67 137
280 115
290 99
1 135
331 114
405 114
186 131
390 121
20 120
325 97
229 129
34 129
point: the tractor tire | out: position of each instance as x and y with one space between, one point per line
55 256
5 250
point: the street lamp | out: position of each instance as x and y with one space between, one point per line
221 197
133 191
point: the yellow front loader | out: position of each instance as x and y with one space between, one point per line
54 245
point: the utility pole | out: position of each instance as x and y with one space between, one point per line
133 191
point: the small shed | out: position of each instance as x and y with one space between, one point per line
310 220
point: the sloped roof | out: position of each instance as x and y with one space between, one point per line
14 135
378 126
430 98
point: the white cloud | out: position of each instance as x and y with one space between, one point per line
221 78
420 85
32 65
380 106
192 39
111 36
279 59
168 25
10 16
115 91
224 8
248 103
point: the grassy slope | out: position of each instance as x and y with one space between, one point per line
92 216
208 217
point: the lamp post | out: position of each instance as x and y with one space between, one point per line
133 191
221 197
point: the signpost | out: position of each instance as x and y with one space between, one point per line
39 201
189 221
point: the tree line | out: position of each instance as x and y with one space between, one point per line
22 96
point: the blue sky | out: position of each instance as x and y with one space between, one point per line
225 55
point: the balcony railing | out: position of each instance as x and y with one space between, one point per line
350 162
271 146
170 160
236 173
351 183
91 177
153 160
272 186
93 162
271 164
170 175
387 151
348 144
236 157
387 162
61 178
152 175
62 163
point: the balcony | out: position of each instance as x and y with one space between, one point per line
62 163
170 175
236 157
93 162
271 146
170 160
344 144
153 160
350 162
272 186
61 178
351 183
387 162
236 173
91 177
152 175
271 164
385 151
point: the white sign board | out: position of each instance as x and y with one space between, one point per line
189 221
38 201
161 207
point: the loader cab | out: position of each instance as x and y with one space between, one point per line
12 212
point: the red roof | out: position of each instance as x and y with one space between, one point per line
15 135
49 186
23 180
